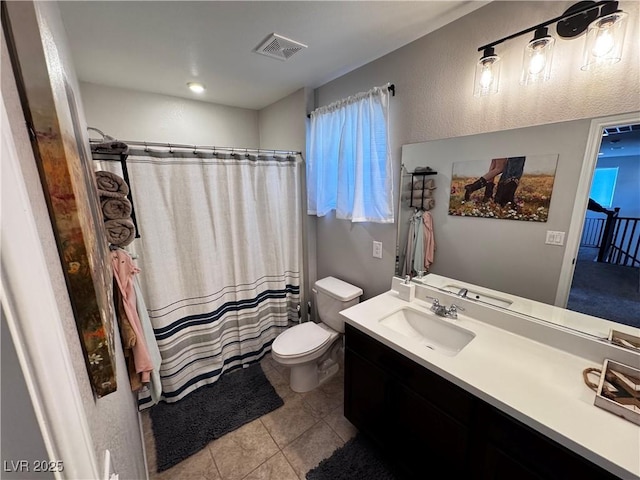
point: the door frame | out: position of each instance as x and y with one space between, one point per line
582 198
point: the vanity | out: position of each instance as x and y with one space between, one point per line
489 394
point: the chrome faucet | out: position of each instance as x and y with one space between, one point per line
463 292
443 311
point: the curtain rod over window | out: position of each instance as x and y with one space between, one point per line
390 86
106 139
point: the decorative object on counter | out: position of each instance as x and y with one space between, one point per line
618 390
625 340
407 290
116 208
523 190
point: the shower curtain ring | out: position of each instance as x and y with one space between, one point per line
246 153
195 149
146 147
170 148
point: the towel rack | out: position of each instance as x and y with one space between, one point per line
422 174
117 156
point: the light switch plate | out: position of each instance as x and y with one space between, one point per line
554 238
377 249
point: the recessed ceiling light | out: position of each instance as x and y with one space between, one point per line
196 87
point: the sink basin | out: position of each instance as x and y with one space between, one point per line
429 330
483 297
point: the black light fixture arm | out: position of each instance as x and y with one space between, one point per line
574 11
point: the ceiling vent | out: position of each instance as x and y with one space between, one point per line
277 46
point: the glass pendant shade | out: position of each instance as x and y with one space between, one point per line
536 62
605 37
487 74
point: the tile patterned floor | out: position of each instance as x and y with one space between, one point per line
282 445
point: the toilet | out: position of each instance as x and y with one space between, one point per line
311 350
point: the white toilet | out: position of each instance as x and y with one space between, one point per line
311 349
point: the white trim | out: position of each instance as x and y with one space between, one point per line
36 327
582 198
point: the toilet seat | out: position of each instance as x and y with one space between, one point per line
300 340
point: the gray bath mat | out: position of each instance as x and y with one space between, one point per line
183 428
358 459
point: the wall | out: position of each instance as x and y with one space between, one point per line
434 82
626 194
141 116
282 126
17 414
514 256
113 420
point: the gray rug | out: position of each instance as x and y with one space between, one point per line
358 459
606 291
183 428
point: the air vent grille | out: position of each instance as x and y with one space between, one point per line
277 46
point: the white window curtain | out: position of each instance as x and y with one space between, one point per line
348 159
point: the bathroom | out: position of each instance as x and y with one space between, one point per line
433 101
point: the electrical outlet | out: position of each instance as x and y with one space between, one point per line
554 238
377 249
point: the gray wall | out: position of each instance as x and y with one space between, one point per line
113 419
627 192
141 116
505 255
21 438
434 82
282 126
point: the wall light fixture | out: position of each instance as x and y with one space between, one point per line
605 25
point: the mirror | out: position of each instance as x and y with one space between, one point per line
505 255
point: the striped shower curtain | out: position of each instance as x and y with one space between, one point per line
219 253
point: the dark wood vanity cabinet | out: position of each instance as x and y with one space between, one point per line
428 425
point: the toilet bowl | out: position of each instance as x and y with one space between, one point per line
312 350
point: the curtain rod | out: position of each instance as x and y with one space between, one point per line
171 146
391 87
106 139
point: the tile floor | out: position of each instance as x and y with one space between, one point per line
282 445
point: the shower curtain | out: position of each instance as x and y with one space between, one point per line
219 252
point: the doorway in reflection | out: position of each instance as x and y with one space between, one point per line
606 279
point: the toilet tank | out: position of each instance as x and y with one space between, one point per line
332 296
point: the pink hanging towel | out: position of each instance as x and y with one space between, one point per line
123 270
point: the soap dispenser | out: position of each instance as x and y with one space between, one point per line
407 290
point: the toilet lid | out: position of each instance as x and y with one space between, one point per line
300 339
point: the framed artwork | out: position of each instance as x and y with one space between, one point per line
511 188
62 155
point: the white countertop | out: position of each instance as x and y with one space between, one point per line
537 384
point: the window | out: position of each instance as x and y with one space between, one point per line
348 159
604 185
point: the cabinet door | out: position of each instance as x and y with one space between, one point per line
424 436
497 465
365 396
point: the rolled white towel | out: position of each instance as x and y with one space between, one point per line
111 185
114 208
417 194
120 232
